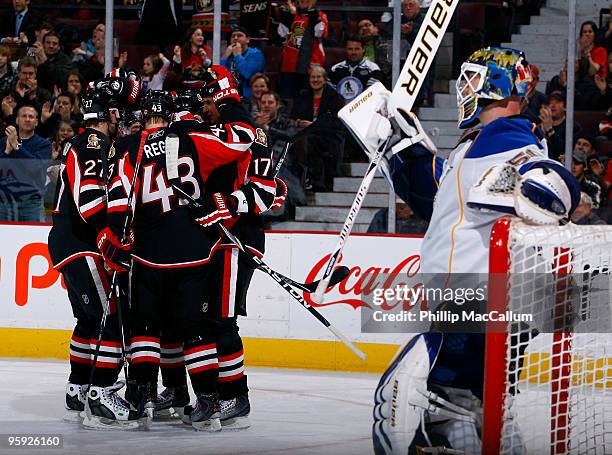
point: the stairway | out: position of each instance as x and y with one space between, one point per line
329 210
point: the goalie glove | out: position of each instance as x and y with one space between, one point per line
214 209
116 254
543 197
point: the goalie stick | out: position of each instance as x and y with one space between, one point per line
403 96
172 145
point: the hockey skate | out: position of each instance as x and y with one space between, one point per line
170 403
205 414
76 394
107 410
235 413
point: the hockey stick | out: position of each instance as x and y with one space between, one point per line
172 145
114 287
403 96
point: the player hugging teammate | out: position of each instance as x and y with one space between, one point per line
118 211
430 397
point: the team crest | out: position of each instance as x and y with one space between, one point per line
93 142
261 138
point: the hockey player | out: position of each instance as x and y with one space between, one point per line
79 214
428 394
252 184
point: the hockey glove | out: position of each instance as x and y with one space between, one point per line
281 194
215 208
221 86
116 254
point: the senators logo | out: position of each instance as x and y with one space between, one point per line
261 138
93 142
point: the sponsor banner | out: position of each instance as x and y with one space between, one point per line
32 294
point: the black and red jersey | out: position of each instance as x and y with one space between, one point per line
165 232
80 197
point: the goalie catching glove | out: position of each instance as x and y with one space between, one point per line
540 192
116 254
213 209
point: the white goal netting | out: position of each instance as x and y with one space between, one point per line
556 387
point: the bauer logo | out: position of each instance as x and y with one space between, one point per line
426 45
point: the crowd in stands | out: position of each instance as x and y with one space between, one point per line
303 72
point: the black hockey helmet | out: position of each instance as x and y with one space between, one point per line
157 103
95 105
188 100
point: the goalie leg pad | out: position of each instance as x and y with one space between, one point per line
398 399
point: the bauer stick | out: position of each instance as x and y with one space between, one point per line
403 96
114 286
172 145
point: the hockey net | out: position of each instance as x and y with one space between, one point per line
548 383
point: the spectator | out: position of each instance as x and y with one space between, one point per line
377 49
586 94
535 99
281 129
586 145
66 131
154 71
88 48
8 105
604 85
552 117
583 214
406 221
25 89
21 20
353 75
63 110
7 75
24 159
605 34
607 179
594 57
193 56
53 64
260 84
587 184
92 66
161 15
243 61
411 21
74 84
303 46
323 154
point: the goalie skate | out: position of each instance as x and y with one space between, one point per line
108 410
235 413
76 394
171 402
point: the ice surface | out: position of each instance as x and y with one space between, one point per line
292 412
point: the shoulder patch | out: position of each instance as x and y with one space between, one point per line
93 142
261 137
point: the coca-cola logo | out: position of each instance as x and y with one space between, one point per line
362 281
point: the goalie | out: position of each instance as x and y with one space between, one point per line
431 393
